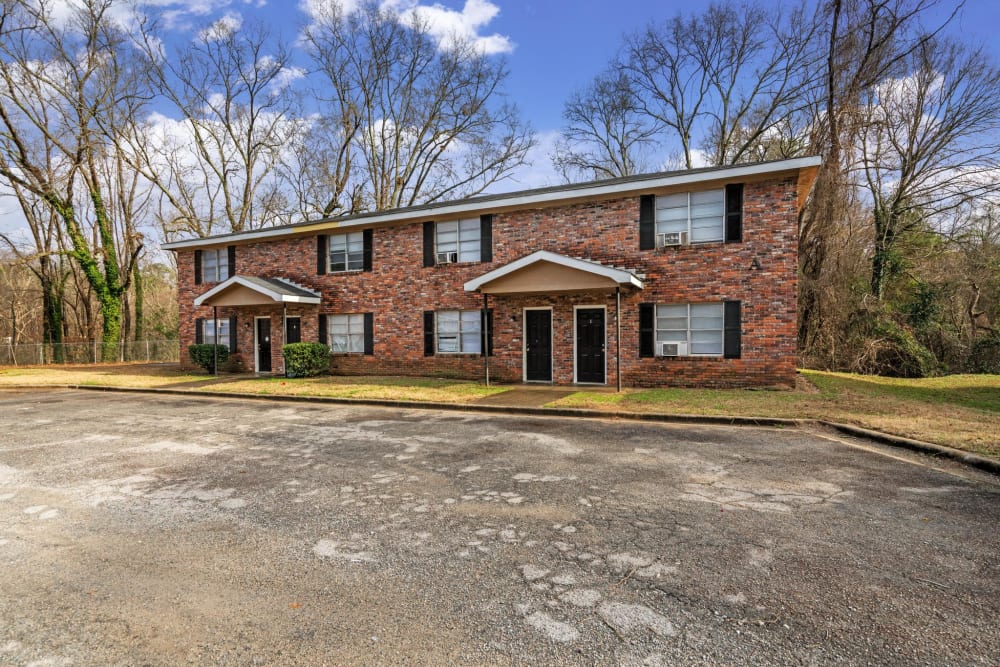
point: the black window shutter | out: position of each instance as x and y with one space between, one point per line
647 329
321 258
428 244
486 335
199 331
731 337
486 238
321 332
647 222
369 333
368 234
232 331
231 251
734 213
197 267
428 333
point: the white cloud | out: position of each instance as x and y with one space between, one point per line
222 27
286 77
447 26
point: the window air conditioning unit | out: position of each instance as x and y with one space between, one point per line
447 257
671 239
673 349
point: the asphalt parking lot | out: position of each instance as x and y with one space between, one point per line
162 530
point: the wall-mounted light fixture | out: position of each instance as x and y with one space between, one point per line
755 264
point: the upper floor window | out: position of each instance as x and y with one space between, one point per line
690 217
347 252
458 241
214 265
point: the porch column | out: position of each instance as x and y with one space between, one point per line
215 340
618 336
486 337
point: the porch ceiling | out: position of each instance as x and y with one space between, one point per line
256 291
547 272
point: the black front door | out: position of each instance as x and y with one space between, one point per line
590 345
264 345
293 330
538 345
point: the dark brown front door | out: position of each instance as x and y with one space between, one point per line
538 345
293 330
263 345
590 345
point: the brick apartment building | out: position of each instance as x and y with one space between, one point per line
683 278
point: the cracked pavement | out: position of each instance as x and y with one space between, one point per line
170 530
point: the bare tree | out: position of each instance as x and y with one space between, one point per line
59 82
605 135
730 81
216 169
43 257
411 121
929 142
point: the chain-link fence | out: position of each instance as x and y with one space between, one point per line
30 354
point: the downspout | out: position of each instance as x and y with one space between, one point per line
486 338
618 335
215 341
284 334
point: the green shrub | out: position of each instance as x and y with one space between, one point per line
304 360
985 355
205 355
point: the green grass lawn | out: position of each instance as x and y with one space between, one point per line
960 411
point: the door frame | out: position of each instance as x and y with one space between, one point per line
284 327
595 306
256 348
524 345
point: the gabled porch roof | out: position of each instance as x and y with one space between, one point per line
256 291
544 271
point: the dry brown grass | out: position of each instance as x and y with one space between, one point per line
378 388
109 375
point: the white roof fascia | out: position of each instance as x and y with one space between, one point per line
274 296
620 276
514 200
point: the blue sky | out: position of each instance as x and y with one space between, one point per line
552 47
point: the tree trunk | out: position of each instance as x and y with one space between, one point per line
138 287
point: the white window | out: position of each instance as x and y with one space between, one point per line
459 331
460 237
347 252
214 265
699 325
347 333
700 214
208 333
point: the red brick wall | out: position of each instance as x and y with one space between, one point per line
399 289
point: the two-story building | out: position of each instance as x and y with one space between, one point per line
683 278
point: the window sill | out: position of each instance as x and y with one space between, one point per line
458 354
470 263
700 357
338 273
